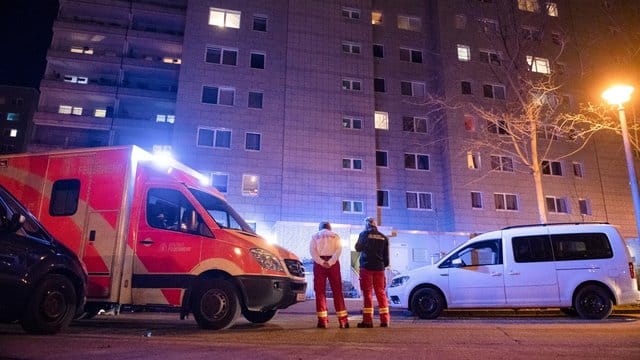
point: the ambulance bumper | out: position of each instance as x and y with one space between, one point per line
263 293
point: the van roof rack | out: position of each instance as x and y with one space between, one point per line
559 223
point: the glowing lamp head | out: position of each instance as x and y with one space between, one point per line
618 95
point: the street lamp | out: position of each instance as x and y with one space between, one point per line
618 95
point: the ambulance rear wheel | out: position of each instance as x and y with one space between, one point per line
259 317
216 304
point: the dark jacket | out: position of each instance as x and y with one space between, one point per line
374 249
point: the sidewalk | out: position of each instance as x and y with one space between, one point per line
354 306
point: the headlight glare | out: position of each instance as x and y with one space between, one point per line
267 260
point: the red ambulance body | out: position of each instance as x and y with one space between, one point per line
152 234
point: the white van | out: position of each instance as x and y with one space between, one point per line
584 268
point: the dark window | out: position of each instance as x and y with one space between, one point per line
581 246
259 23
65 195
257 61
465 87
532 248
378 51
255 100
381 158
210 95
378 85
383 198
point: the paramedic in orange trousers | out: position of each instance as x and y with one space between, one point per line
325 250
374 258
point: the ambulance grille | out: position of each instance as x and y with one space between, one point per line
295 267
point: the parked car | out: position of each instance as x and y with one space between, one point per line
580 268
42 283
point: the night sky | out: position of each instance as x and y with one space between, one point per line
25 34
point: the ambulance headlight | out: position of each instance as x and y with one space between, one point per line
267 260
399 281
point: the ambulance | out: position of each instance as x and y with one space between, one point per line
153 233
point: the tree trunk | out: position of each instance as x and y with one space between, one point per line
542 208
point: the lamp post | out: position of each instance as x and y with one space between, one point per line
618 95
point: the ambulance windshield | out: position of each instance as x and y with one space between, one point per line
221 212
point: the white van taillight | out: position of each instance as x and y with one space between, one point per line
632 271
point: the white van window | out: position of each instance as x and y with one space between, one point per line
534 248
581 246
477 254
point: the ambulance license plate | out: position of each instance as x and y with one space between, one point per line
301 297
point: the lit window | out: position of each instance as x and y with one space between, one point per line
476 200
501 163
219 55
220 181
351 13
507 202
493 91
460 21
351 48
419 200
257 60
416 162
100 113
170 60
556 205
409 23
252 141
529 5
259 23
13 133
218 138
76 79
539 65
350 84
162 118
352 164
352 206
473 160
577 170
414 124
490 57
250 185
381 120
218 95
11 116
224 18
383 198
552 9
382 158
64 109
469 123
551 168
412 88
376 18
411 55
255 99
585 206
464 53
351 122
82 50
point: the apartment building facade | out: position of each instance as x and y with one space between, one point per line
307 110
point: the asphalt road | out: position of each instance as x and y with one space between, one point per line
292 335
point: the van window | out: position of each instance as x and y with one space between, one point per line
581 246
532 248
169 209
477 254
65 195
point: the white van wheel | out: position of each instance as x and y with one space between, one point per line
427 303
593 302
216 304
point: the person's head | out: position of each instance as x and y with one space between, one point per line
324 225
370 223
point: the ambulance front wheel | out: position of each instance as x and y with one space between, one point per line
215 304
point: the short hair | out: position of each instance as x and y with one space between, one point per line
324 225
369 221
